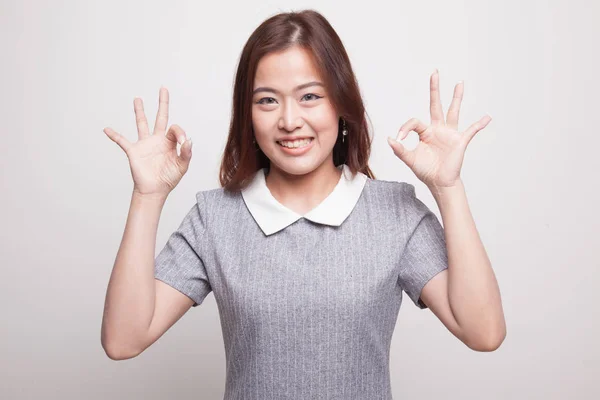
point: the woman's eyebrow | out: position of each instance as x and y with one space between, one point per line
299 87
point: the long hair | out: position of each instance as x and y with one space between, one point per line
311 31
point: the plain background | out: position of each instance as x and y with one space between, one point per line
71 68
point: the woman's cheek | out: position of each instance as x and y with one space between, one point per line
325 115
261 124
326 122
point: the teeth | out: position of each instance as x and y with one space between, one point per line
295 143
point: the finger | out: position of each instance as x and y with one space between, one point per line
140 118
162 117
118 139
412 124
176 134
186 155
407 156
435 105
476 127
453 111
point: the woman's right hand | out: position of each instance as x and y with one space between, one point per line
155 166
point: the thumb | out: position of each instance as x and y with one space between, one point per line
118 139
185 153
400 151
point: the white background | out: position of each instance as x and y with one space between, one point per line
71 68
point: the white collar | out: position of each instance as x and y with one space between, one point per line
272 216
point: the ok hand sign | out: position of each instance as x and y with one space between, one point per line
437 159
155 166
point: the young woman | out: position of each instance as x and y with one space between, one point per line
307 254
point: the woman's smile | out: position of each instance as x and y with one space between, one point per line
297 147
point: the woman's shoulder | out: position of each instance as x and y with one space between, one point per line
390 188
217 196
399 196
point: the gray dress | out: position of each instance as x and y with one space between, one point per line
307 304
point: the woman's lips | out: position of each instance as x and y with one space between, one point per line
298 151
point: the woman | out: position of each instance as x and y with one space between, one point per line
306 252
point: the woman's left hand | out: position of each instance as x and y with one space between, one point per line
437 159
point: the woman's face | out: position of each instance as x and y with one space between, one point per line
289 102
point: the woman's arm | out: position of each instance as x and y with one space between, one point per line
473 295
130 323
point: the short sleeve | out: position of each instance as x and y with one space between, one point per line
425 254
179 264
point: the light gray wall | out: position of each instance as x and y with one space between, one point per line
71 68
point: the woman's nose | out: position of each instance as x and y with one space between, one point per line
291 118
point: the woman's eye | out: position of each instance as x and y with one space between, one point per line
314 96
271 100
265 98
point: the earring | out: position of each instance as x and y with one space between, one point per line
344 130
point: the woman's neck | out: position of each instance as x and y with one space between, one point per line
302 193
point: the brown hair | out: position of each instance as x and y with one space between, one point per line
311 31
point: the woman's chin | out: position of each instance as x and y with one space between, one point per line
296 166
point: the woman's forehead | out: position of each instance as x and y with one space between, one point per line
286 69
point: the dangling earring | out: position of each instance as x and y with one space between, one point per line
344 130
